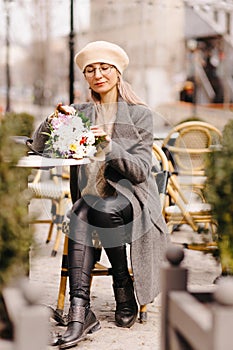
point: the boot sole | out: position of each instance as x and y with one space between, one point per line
130 324
89 330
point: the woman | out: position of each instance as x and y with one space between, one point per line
116 197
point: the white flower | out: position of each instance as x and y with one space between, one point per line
70 138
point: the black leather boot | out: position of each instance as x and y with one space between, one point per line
126 305
81 321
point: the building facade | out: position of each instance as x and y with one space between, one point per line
152 33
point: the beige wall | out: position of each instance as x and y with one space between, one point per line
152 34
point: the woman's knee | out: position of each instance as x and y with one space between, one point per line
110 212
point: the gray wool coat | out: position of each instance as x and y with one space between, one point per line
128 170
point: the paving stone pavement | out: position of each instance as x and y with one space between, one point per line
45 273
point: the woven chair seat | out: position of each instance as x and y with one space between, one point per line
190 208
49 189
192 180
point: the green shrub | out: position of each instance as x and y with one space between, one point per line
15 237
219 193
21 123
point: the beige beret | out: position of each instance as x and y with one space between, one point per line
102 51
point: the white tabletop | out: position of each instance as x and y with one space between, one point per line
34 161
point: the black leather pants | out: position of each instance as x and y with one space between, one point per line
111 219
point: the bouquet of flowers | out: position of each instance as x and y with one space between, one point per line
70 135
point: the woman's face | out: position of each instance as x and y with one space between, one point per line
101 77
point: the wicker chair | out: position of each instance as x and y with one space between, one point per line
187 161
161 172
189 148
55 188
197 215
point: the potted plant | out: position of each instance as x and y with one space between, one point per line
15 237
219 193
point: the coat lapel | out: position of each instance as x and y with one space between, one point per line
124 131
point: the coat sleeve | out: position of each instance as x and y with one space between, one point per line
39 138
131 156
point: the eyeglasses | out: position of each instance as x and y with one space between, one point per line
104 69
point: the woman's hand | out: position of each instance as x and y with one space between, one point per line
98 132
104 144
65 109
61 109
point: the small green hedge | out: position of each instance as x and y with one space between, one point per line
219 193
15 238
22 124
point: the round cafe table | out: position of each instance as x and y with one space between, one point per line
39 162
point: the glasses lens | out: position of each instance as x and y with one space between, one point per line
104 70
89 72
